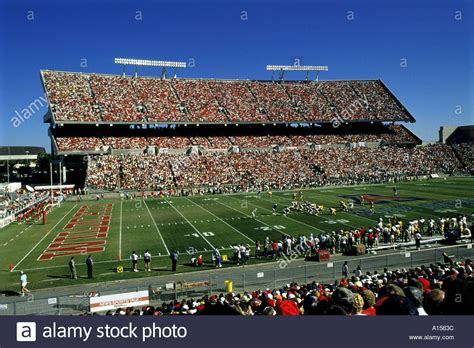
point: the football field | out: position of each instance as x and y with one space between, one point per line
111 229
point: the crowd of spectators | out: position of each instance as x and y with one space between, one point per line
381 164
274 102
465 152
397 134
129 172
178 142
22 203
348 105
379 100
238 101
125 142
79 143
208 170
70 97
159 100
435 289
392 135
261 170
201 105
117 98
260 141
91 97
309 102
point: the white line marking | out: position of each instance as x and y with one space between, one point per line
120 232
191 225
51 280
250 239
29 252
157 229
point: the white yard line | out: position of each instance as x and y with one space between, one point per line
189 222
47 234
157 229
120 232
217 217
300 222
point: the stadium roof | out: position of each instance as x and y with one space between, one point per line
462 134
19 152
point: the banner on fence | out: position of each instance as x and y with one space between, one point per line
127 299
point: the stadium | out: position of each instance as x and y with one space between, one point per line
248 196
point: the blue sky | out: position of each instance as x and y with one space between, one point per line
230 39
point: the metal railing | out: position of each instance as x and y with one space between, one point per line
245 278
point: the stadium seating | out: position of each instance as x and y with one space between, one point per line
465 153
70 97
169 142
237 99
67 144
390 135
201 105
260 170
116 97
125 142
159 100
107 98
274 102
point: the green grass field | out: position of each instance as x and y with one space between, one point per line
202 222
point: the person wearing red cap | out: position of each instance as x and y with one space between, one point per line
288 308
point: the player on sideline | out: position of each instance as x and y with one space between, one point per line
274 208
254 213
395 192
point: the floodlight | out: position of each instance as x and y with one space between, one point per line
307 68
297 68
145 62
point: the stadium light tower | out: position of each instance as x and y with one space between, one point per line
283 68
144 62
